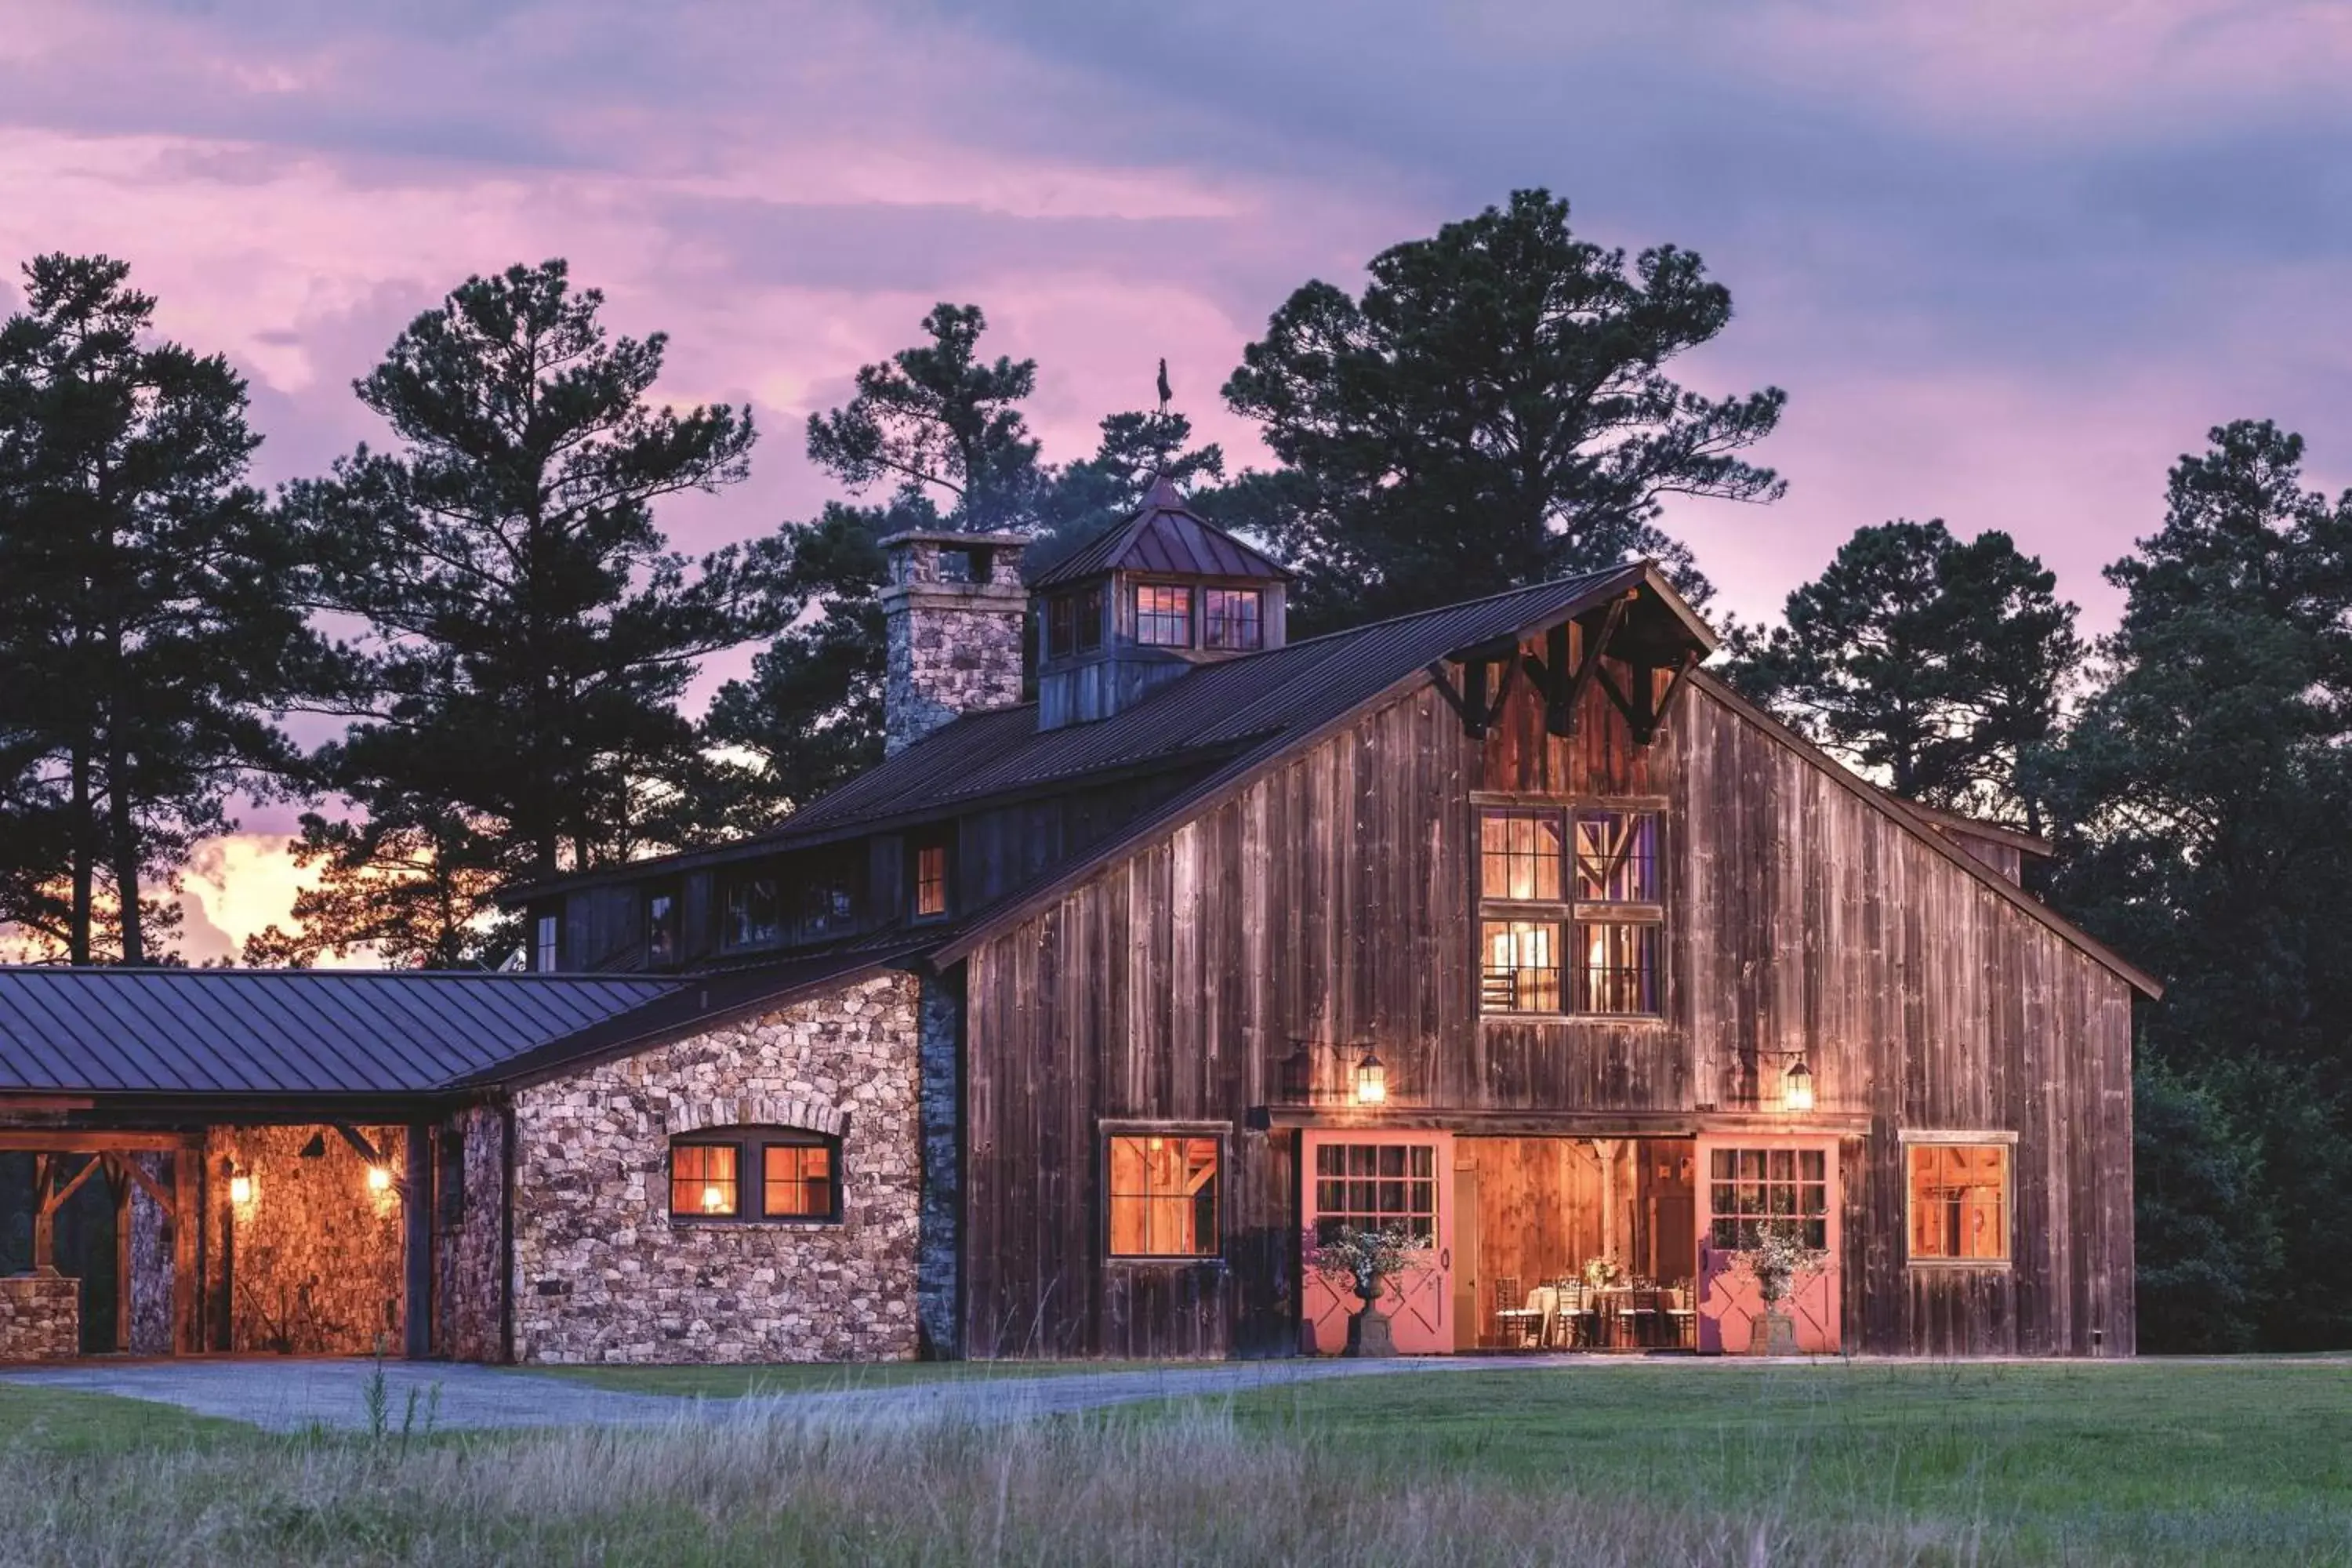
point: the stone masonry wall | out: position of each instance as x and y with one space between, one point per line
950 647
313 1259
468 1222
40 1317
602 1273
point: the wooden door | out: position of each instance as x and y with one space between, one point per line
1469 1272
1368 1180
1743 1180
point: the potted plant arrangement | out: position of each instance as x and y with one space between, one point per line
1368 1259
1777 1260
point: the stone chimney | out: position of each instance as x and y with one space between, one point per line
954 612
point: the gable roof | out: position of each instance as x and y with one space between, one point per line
1165 536
285 1031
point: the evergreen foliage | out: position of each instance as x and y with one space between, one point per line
152 617
1492 412
528 632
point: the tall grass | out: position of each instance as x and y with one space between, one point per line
766 1489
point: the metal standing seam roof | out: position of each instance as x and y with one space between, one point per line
287 1032
1214 711
1165 536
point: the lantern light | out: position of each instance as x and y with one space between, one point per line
240 1189
1372 1081
1797 1088
379 1179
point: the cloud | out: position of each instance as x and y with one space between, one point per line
2008 258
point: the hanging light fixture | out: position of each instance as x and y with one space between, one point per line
1371 1080
1797 1088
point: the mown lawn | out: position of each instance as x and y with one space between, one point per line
2188 1461
1600 1466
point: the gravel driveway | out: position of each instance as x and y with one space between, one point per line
288 1394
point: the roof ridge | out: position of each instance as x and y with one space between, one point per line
1578 577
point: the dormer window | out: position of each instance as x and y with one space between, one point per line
1231 618
661 929
1163 615
753 916
930 867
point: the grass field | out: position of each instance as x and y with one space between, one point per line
2150 1462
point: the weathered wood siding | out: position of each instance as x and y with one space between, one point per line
1333 899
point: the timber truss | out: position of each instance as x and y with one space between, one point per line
1489 671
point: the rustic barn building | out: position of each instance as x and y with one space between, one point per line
1070 1028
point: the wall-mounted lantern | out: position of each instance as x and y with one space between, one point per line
1371 1080
240 1190
379 1178
1797 1088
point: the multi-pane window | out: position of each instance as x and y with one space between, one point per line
547 945
1090 619
796 1180
1959 1202
661 930
1617 856
1518 855
1061 625
826 907
1163 615
930 881
752 917
1749 1188
1230 618
1376 1186
755 1173
1520 968
703 1180
1617 968
1597 950
1163 1195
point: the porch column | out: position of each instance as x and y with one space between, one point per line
417 1215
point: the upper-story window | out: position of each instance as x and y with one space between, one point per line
1090 619
1577 935
827 906
1061 625
752 916
661 929
931 880
1231 618
547 945
1163 615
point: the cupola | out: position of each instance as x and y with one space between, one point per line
1149 601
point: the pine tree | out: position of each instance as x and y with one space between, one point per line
529 630
1936 663
152 618
1491 411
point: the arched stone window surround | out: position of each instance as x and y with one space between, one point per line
714 1114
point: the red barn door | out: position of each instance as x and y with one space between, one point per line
1370 1180
1743 1181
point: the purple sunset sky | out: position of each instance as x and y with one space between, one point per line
2009 258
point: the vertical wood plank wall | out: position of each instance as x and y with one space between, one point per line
1333 899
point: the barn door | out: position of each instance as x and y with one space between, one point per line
1742 1182
1368 1180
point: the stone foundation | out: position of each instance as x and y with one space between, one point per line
40 1317
602 1273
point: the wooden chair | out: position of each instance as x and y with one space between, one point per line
1682 1317
1570 1330
1637 1320
1515 1321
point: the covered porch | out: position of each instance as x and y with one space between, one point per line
300 1238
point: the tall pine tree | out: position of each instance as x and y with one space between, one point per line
152 618
1493 411
530 632
2205 812
1936 663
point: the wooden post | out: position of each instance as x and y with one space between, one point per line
416 1216
117 1185
187 1223
45 1220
